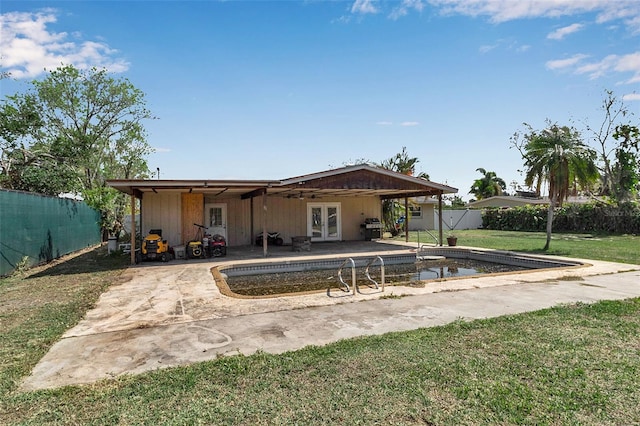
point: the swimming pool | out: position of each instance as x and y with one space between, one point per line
268 279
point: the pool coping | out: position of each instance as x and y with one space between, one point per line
361 259
179 293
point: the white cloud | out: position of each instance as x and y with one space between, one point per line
598 69
487 48
509 10
29 48
364 7
560 33
404 8
566 63
607 11
506 44
623 64
629 63
631 97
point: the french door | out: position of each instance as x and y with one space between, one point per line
323 221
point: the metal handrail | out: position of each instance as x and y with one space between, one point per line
347 289
366 271
432 236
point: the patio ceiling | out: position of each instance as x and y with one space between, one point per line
350 181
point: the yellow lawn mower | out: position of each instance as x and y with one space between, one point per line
154 247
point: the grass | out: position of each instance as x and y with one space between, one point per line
576 364
610 248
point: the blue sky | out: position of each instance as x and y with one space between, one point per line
276 89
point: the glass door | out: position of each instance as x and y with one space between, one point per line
315 223
323 221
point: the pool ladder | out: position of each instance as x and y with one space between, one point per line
353 288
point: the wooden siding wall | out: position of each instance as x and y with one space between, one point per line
175 213
192 212
162 211
289 216
238 219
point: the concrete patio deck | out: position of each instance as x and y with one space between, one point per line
172 314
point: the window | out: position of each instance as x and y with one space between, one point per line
415 211
215 216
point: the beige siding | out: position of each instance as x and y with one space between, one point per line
238 221
162 211
427 219
354 211
289 216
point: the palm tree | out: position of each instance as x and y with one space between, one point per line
488 186
558 156
401 163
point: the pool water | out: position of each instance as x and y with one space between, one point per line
412 274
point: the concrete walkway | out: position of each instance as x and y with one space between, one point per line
173 314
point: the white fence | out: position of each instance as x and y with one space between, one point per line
458 219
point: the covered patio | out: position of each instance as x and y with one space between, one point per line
328 206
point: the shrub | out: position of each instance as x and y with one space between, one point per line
590 217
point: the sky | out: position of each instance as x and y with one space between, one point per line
278 89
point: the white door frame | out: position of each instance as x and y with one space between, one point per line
325 222
216 228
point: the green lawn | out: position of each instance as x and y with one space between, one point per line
611 248
574 364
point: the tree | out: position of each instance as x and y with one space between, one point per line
557 156
488 186
456 202
401 163
71 132
626 170
615 159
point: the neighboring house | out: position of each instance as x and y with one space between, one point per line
423 215
505 201
500 201
326 206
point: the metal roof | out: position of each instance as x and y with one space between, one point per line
353 181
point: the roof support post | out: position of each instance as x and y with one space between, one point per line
440 217
251 220
264 223
133 228
406 219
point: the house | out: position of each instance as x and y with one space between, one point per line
505 201
326 206
424 216
500 201
422 213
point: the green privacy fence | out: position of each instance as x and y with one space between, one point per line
36 228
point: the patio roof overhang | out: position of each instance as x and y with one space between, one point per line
350 181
